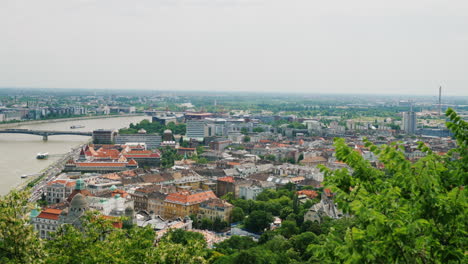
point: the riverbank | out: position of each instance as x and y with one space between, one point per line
48 174
35 122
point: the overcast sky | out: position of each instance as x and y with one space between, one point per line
328 46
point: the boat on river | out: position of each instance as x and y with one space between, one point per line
44 155
76 126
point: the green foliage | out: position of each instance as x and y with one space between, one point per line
258 221
246 139
258 129
18 241
235 244
169 155
154 128
237 215
406 212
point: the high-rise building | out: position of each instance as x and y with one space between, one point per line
196 129
409 122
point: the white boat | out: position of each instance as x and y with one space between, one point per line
44 155
76 126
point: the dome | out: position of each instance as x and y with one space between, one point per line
167 131
113 188
79 201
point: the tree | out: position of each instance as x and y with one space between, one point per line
219 225
206 223
258 221
18 241
235 244
169 155
270 157
244 131
258 129
246 139
288 228
406 212
237 215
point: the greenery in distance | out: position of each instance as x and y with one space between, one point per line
154 128
404 213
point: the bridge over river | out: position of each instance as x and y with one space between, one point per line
44 133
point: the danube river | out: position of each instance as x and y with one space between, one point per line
18 151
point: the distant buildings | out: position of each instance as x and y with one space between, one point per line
195 129
152 141
104 136
409 122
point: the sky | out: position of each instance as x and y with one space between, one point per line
291 46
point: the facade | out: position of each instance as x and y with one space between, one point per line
195 129
58 191
225 185
185 203
156 203
152 141
249 192
104 136
216 208
46 222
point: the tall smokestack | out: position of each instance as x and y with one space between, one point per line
440 100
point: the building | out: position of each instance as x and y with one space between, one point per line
71 215
314 161
195 129
250 192
45 222
152 141
164 120
143 157
104 136
409 122
58 191
185 203
155 203
216 208
100 166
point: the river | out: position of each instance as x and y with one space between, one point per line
18 151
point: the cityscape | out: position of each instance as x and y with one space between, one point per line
237 171
233 132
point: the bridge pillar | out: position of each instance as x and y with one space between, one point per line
45 137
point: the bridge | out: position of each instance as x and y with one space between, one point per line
44 133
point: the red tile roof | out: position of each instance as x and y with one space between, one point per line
227 179
62 182
100 164
309 193
52 214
